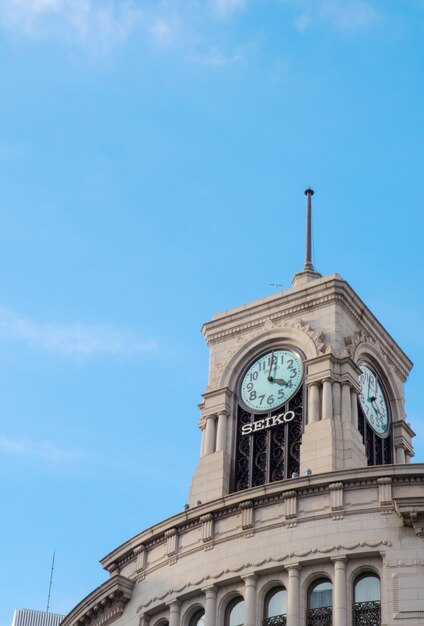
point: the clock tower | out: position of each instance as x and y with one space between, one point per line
304 508
302 382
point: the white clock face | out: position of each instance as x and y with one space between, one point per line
373 401
271 380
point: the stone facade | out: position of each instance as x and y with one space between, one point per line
336 519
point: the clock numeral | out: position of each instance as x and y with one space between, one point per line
249 386
254 376
252 396
261 398
293 374
270 400
280 394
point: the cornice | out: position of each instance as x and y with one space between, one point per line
304 486
104 605
280 308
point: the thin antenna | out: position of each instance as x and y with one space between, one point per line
308 262
51 581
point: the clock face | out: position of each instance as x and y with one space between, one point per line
373 401
271 380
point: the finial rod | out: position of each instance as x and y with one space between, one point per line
308 263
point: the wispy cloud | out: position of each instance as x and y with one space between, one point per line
102 23
43 450
73 340
216 57
108 20
342 15
225 8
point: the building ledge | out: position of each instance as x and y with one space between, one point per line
104 605
411 510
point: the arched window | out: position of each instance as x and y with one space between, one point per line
320 604
198 619
275 613
234 615
366 601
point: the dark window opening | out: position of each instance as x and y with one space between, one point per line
268 454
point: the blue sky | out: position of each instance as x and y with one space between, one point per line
153 158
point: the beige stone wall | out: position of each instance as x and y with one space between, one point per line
333 329
290 533
343 520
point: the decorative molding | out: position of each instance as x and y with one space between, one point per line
114 568
334 289
141 554
208 581
246 509
105 605
385 491
411 510
208 529
360 337
259 326
317 336
336 498
403 477
171 537
290 505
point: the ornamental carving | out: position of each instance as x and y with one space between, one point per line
141 554
105 605
171 537
207 527
336 496
246 508
260 326
210 579
360 337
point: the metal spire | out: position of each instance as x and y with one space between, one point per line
308 262
309 272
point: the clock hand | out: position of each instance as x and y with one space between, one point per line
373 400
369 384
280 381
270 378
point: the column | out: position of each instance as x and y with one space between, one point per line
202 443
346 403
327 399
354 407
313 403
210 435
250 599
210 606
293 593
400 455
337 401
340 592
221 435
174 613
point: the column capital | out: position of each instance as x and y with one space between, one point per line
210 416
210 589
175 603
314 383
293 567
250 577
338 559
